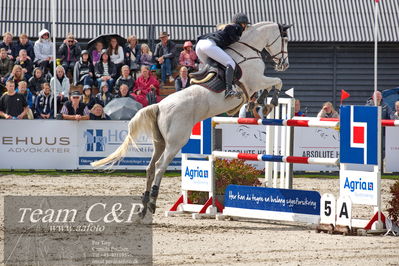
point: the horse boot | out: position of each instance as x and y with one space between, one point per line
274 100
145 199
229 76
262 97
153 198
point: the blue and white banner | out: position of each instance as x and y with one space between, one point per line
196 175
359 134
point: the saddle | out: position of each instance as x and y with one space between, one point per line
212 76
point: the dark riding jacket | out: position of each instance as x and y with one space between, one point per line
223 38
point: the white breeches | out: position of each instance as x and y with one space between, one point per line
207 48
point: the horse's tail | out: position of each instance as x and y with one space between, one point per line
144 122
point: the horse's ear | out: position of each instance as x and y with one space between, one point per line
286 27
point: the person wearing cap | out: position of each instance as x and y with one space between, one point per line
60 83
83 71
211 45
74 109
188 57
165 53
70 52
105 70
104 96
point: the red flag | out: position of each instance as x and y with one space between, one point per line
344 95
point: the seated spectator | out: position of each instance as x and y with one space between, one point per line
188 57
123 91
183 80
96 53
104 95
386 111
44 104
146 58
125 78
132 54
43 49
36 81
74 109
165 53
6 65
83 72
12 104
60 83
17 75
25 44
116 55
26 64
105 71
328 111
23 89
97 113
396 114
88 97
251 109
8 45
297 108
145 84
69 52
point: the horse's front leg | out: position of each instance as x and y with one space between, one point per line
267 84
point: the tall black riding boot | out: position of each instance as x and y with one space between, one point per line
229 83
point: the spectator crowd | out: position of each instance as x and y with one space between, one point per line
85 81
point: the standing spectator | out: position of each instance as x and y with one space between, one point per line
297 108
328 111
183 80
125 78
132 54
104 95
44 104
74 109
36 81
5 68
23 90
60 83
188 57
97 113
12 104
17 75
251 109
96 53
396 114
165 52
88 98
25 44
105 70
115 52
145 84
146 57
44 51
8 45
69 52
26 64
386 111
83 72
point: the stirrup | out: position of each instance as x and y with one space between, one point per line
232 93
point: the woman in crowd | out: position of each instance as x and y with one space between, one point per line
115 52
88 98
104 95
83 71
328 111
96 53
17 75
123 91
69 52
105 71
132 54
145 84
36 81
125 78
188 57
97 113
60 83
26 64
146 58
183 80
44 51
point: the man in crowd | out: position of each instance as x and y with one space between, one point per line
386 111
165 53
12 104
5 68
74 109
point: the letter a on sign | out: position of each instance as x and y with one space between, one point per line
344 208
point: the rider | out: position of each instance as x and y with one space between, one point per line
212 45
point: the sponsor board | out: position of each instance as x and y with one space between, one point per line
196 175
391 149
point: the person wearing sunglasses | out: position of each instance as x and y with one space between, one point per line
69 53
74 109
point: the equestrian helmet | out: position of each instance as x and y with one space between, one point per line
241 18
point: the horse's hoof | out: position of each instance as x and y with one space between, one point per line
152 207
143 213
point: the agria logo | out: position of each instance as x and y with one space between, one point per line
95 141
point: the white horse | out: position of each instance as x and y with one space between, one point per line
170 121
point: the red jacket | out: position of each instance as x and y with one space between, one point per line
144 86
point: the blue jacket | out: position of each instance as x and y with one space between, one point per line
28 47
29 97
9 48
